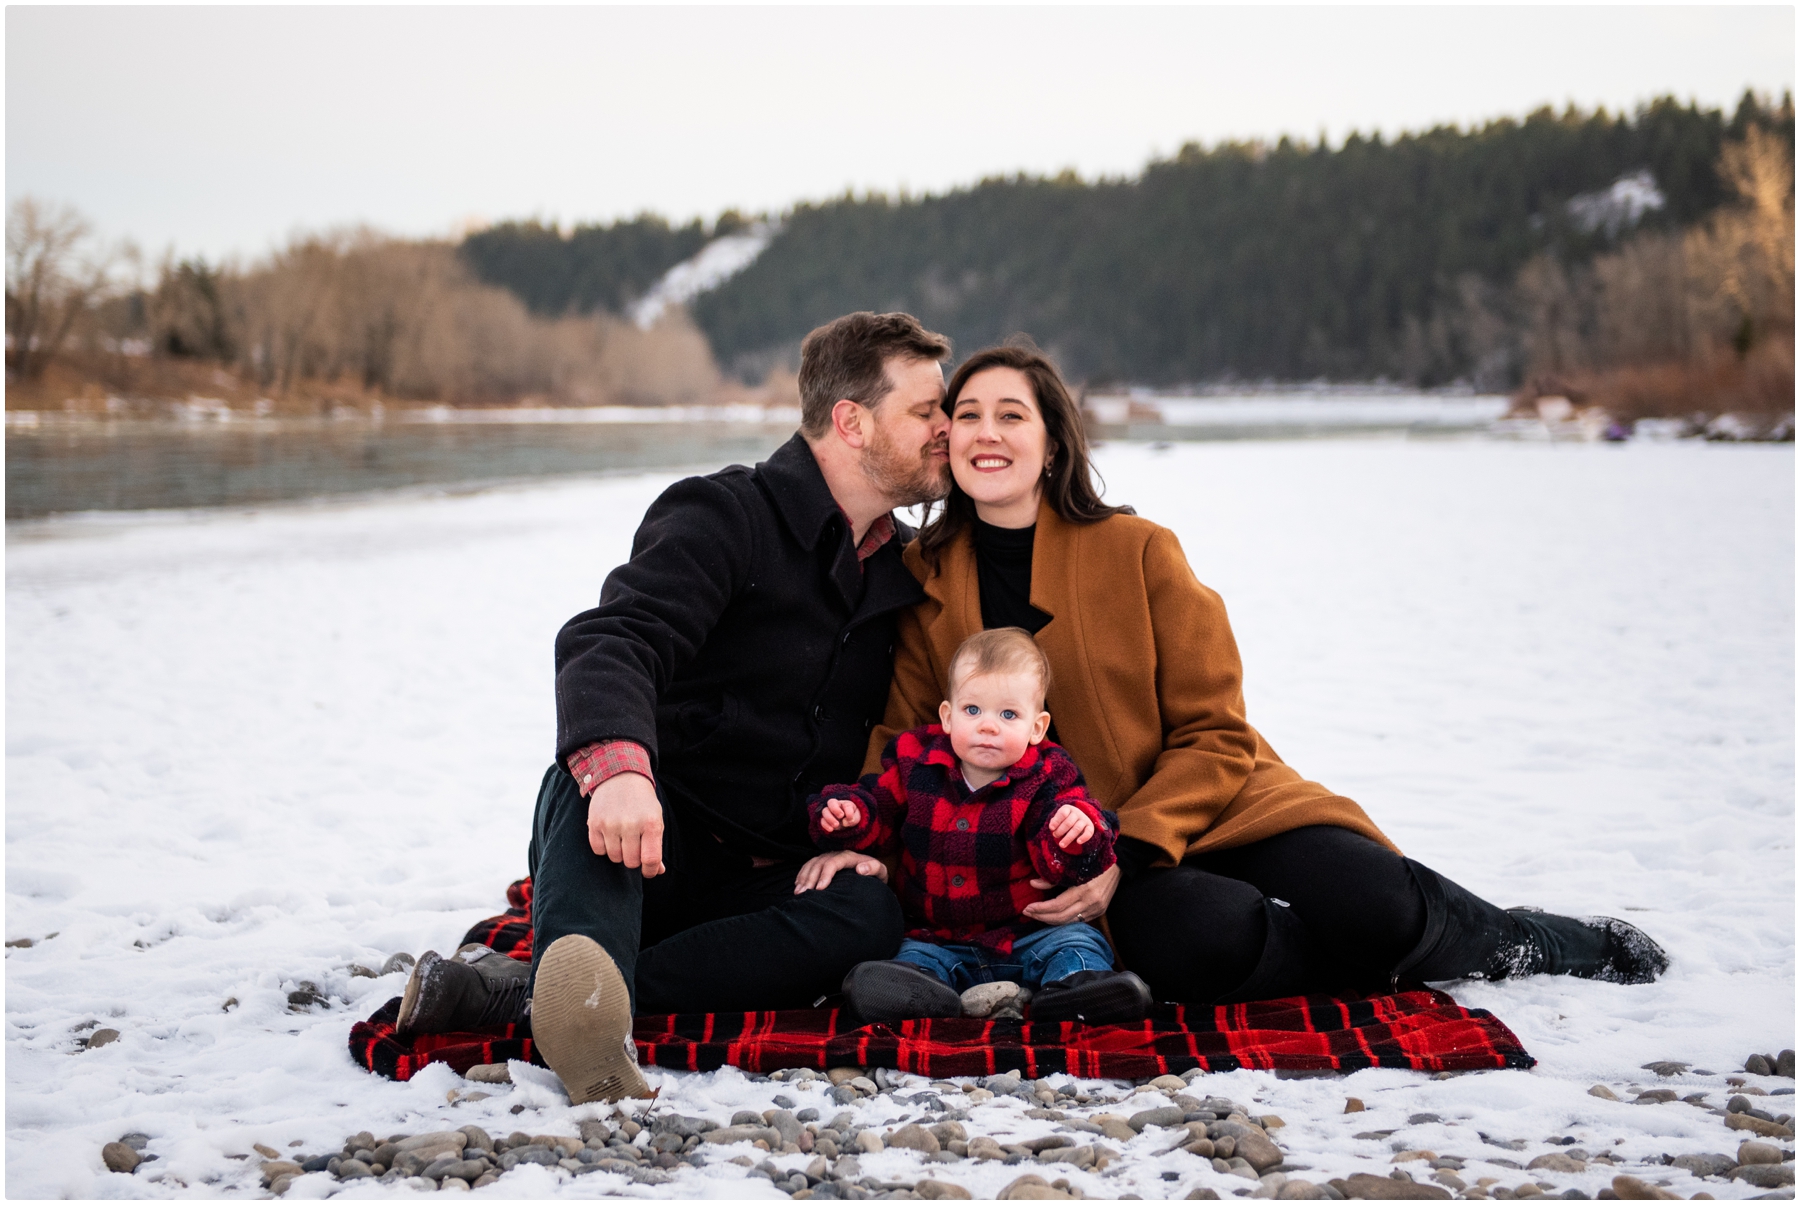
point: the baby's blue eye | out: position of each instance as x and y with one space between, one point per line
1009 714
971 709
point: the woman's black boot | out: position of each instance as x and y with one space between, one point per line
1468 938
1592 947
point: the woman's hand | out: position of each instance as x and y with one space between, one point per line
819 871
1083 902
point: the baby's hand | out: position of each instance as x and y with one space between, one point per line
840 813
1071 827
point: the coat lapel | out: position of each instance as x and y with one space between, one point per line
887 584
1058 578
1055 578
957 591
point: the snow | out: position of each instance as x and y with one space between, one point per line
710 267
734 413
1619 206
1324 410
248 748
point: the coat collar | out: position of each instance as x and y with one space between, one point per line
956 587
793 479
939 752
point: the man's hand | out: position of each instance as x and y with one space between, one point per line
1085 901
840 813
819 871
1071 827
625 822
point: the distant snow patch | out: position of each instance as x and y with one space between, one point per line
1619 206
715 263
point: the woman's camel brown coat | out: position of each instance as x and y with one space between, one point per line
1146 692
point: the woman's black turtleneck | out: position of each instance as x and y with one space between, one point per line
1003 567
1003 570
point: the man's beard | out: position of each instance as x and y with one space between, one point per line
907 478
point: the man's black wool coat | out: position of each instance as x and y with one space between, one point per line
742 647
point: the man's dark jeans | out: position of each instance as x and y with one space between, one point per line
712 933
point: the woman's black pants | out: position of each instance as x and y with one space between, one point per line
1316 909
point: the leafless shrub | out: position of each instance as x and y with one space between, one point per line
56 272
406 319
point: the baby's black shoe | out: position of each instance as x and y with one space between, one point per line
898 991
1093 997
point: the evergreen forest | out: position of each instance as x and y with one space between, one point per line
1378 258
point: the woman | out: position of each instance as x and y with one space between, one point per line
1238 879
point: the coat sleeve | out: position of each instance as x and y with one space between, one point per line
690 556
880 796
914 693
1063 785
1209 748
867 825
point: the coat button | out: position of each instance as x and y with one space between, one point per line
956 880
819 713
962 826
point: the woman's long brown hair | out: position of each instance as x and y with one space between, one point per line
1070 487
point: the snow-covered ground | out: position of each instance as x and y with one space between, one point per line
249 749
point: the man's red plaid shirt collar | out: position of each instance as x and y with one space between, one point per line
594 764
879 533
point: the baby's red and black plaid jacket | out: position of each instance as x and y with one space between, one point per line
967 858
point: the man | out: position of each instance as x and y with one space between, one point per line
735 665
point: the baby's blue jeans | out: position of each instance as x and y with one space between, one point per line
1037 958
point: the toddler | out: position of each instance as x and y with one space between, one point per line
978 806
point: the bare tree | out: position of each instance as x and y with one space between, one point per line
1742 261
54 274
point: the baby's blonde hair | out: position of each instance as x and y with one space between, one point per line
1001 650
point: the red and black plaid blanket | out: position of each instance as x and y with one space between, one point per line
1418 1030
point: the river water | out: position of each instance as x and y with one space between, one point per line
58 465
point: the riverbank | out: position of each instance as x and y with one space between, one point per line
208 453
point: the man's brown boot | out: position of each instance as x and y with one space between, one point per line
581 1022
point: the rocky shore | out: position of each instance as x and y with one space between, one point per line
873 1134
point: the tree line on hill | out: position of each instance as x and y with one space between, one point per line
1397 259
1484 255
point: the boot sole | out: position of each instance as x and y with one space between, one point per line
581 1022
409 1001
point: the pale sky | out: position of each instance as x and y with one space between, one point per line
223 130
